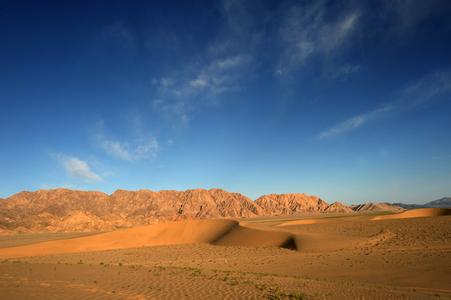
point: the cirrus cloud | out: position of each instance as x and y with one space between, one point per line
354 122
140 147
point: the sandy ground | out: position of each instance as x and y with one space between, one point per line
339 257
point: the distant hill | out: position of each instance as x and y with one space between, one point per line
338 207
377 206
408 206
444 202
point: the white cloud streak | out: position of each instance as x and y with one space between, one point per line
425 90
354 122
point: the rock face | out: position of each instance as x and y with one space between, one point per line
377 206
338 207
199 203
289 204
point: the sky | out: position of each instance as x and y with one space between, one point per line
347 100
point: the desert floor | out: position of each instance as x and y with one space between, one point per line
337 257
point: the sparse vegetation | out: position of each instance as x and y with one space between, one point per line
276 294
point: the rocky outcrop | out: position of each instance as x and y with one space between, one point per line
338 207
377 206
198 203
290 204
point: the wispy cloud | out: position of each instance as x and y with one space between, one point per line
222 68
308 31
344 72
428 88
120 37
354 122
424 90
78 168
139 148
408 14
177 97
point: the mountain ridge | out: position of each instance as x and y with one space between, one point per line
62 210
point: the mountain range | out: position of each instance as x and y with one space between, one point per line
64 210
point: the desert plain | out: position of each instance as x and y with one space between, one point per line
403 255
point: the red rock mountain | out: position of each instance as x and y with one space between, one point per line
69 210
289 204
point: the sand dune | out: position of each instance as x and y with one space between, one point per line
417 213
303 222
245 236
217 232
323 220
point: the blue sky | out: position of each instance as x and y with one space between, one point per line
348 100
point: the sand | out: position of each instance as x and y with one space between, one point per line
341 258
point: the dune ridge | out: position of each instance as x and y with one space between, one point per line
417 213
215 232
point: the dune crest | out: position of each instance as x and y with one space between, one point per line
417 213
216 232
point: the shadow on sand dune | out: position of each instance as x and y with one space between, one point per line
215 232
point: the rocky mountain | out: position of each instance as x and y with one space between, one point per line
199 203
376 206
289 204
338 207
